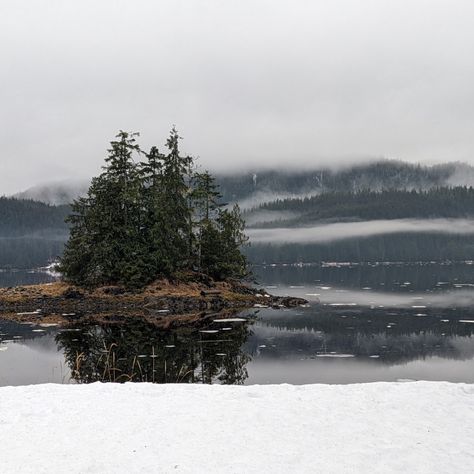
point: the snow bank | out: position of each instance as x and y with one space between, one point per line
100 428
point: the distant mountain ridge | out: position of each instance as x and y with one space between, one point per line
56 193
252 188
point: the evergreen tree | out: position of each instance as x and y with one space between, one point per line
106 225
175 213
136 222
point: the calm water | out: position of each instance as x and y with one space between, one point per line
373 322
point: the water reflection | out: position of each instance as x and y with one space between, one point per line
139 352
373 323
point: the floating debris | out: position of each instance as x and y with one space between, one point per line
48 325
374 356
38 330
209 331
170 345
258 305
3 348
466 321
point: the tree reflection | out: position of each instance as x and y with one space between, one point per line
138 351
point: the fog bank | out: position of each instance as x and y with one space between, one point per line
348 230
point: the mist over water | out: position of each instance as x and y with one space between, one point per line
346 230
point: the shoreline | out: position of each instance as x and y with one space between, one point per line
160 301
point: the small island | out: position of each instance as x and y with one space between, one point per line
150 236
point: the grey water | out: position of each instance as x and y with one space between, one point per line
363 323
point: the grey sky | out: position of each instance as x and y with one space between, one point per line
278 83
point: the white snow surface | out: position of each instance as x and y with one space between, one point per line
415 427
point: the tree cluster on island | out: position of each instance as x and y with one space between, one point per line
148 216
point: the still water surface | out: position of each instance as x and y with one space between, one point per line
363 323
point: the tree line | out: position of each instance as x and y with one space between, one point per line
382 248
387 204
150 215
21 218
377 176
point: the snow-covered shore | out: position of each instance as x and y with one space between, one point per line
100 428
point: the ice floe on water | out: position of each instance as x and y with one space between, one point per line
230 320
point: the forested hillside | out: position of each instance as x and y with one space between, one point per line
252 187
365 205
381 248
31 233
22 218
386 174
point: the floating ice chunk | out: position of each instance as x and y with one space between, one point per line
230 320
342 356
29 313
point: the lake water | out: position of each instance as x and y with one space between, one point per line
364 323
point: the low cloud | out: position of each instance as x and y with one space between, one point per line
348 230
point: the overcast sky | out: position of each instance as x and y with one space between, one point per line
247 82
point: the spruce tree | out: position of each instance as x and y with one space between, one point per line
176 214
142 221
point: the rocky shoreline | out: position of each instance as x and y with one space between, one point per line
163 299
